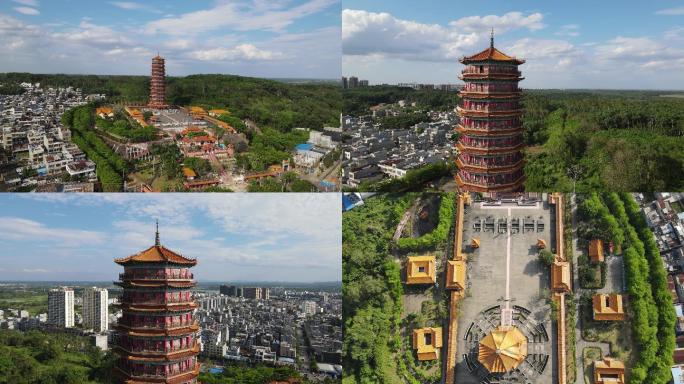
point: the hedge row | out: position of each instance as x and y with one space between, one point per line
660 371
650 301
438 235
109 165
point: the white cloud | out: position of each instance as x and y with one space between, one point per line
671 11
239 15
240 52
133 6
571 30
501 24
27 10
35 270
369 33
14 228
270 237
30 3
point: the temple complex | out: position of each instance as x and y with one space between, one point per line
490 147
158 84
156 337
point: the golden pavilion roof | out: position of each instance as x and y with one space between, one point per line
157 254
491 54
427 342
421 270
503 349
456 275
596 250
608 307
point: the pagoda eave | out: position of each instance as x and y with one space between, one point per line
491 76
515 186
158 307
156 284
159 356
487 132
139 331
487 114
178 379
489 95
488 169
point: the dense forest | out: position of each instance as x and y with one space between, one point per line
372 289
35 357
270 103
612 140
588 140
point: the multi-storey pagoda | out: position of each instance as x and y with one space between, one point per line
158 84
156 337
490 147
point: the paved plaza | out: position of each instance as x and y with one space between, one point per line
508 235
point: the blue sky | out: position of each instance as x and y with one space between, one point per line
567 44
235 237
264 38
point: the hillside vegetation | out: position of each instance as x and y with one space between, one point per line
270 103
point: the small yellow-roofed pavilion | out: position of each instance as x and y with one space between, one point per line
541 244
609 371
596 251
420 270
608 307
502 350
560 276
427 342
456 275
475 243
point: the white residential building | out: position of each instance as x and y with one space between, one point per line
95 309
61 307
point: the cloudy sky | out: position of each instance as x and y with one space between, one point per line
235 237
567 44
264 38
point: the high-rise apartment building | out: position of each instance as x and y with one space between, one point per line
95 309
61 307
252 293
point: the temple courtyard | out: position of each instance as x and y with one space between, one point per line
505 316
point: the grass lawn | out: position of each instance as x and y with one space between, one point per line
616 333
34 303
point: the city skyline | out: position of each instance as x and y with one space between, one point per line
640 46
275 39
259 237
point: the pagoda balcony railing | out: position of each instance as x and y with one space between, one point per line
488 180
489 127
490 90
489 144
156 301
486 166
171 276
502 112
168 375
162 326
474 70
156 351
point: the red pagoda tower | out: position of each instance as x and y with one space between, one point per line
158 84
490 147
156 337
